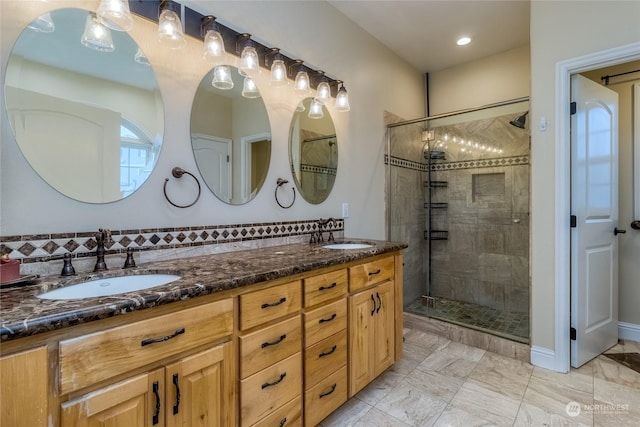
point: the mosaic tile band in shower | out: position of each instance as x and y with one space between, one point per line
47 247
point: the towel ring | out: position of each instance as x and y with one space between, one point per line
279 184
177 173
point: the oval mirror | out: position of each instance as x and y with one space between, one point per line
313 150
230 135
90 122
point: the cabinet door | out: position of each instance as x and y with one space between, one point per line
201 389
361 316
23 389
384 319
134 402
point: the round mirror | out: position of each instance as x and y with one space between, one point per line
230 135
87 113
313 150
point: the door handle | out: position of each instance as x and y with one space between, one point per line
635 224
617 231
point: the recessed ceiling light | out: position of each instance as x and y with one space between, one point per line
463 41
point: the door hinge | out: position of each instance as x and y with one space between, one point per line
573 221
573 107
572 334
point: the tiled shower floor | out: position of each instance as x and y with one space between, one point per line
511 325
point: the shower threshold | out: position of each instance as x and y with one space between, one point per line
506 324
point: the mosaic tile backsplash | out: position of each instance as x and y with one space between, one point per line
52 247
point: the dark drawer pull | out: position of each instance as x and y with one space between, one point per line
156 392
331 286
373 273
167 338
373 310
333 316
379 302
282 422
176 383
333 388
276 382
326 353
266 305
278 341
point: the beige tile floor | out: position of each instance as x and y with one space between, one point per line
443 383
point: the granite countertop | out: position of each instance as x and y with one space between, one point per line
23 314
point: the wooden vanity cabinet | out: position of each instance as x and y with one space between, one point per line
372 327
24 389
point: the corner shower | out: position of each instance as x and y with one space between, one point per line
458 194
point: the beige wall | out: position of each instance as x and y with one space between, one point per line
486 81
561 30
313 31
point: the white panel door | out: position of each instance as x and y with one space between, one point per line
594 203
213 156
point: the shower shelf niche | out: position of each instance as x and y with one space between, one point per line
437 235
436 184
436 205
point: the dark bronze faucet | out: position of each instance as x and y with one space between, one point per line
322 225
102 236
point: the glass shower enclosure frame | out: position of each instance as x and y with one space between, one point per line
458 195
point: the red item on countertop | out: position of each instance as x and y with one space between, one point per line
9 269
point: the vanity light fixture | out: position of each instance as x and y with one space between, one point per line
249 88
323 93
222 77
315 110
96 36
301 83
141 58
278 68
115 14
249 61
213 42
43 24
342 100
169 26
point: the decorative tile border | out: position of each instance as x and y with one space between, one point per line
437 165
48 247
318 169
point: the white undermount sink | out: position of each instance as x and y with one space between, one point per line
109 286
347 246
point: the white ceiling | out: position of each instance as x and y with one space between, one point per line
424 32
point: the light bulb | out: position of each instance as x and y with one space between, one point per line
43 24
342 100
249 88
315 110
115 14
301 83
323 93
222 77
170 30
213 46
278 72
249 63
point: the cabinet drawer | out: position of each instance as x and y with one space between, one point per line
289 415
325 357
325 321
95 357
325 397
269 304
269 345
325 287
269 389
370 273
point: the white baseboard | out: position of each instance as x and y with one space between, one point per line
629 331
543 357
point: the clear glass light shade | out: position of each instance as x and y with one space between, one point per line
115 14
301 83
324 91
315 110
342 100
249 63
96 36
249 88
43 24
213 46
278 72
170 30
141 58
222 77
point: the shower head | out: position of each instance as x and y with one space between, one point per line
520 121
